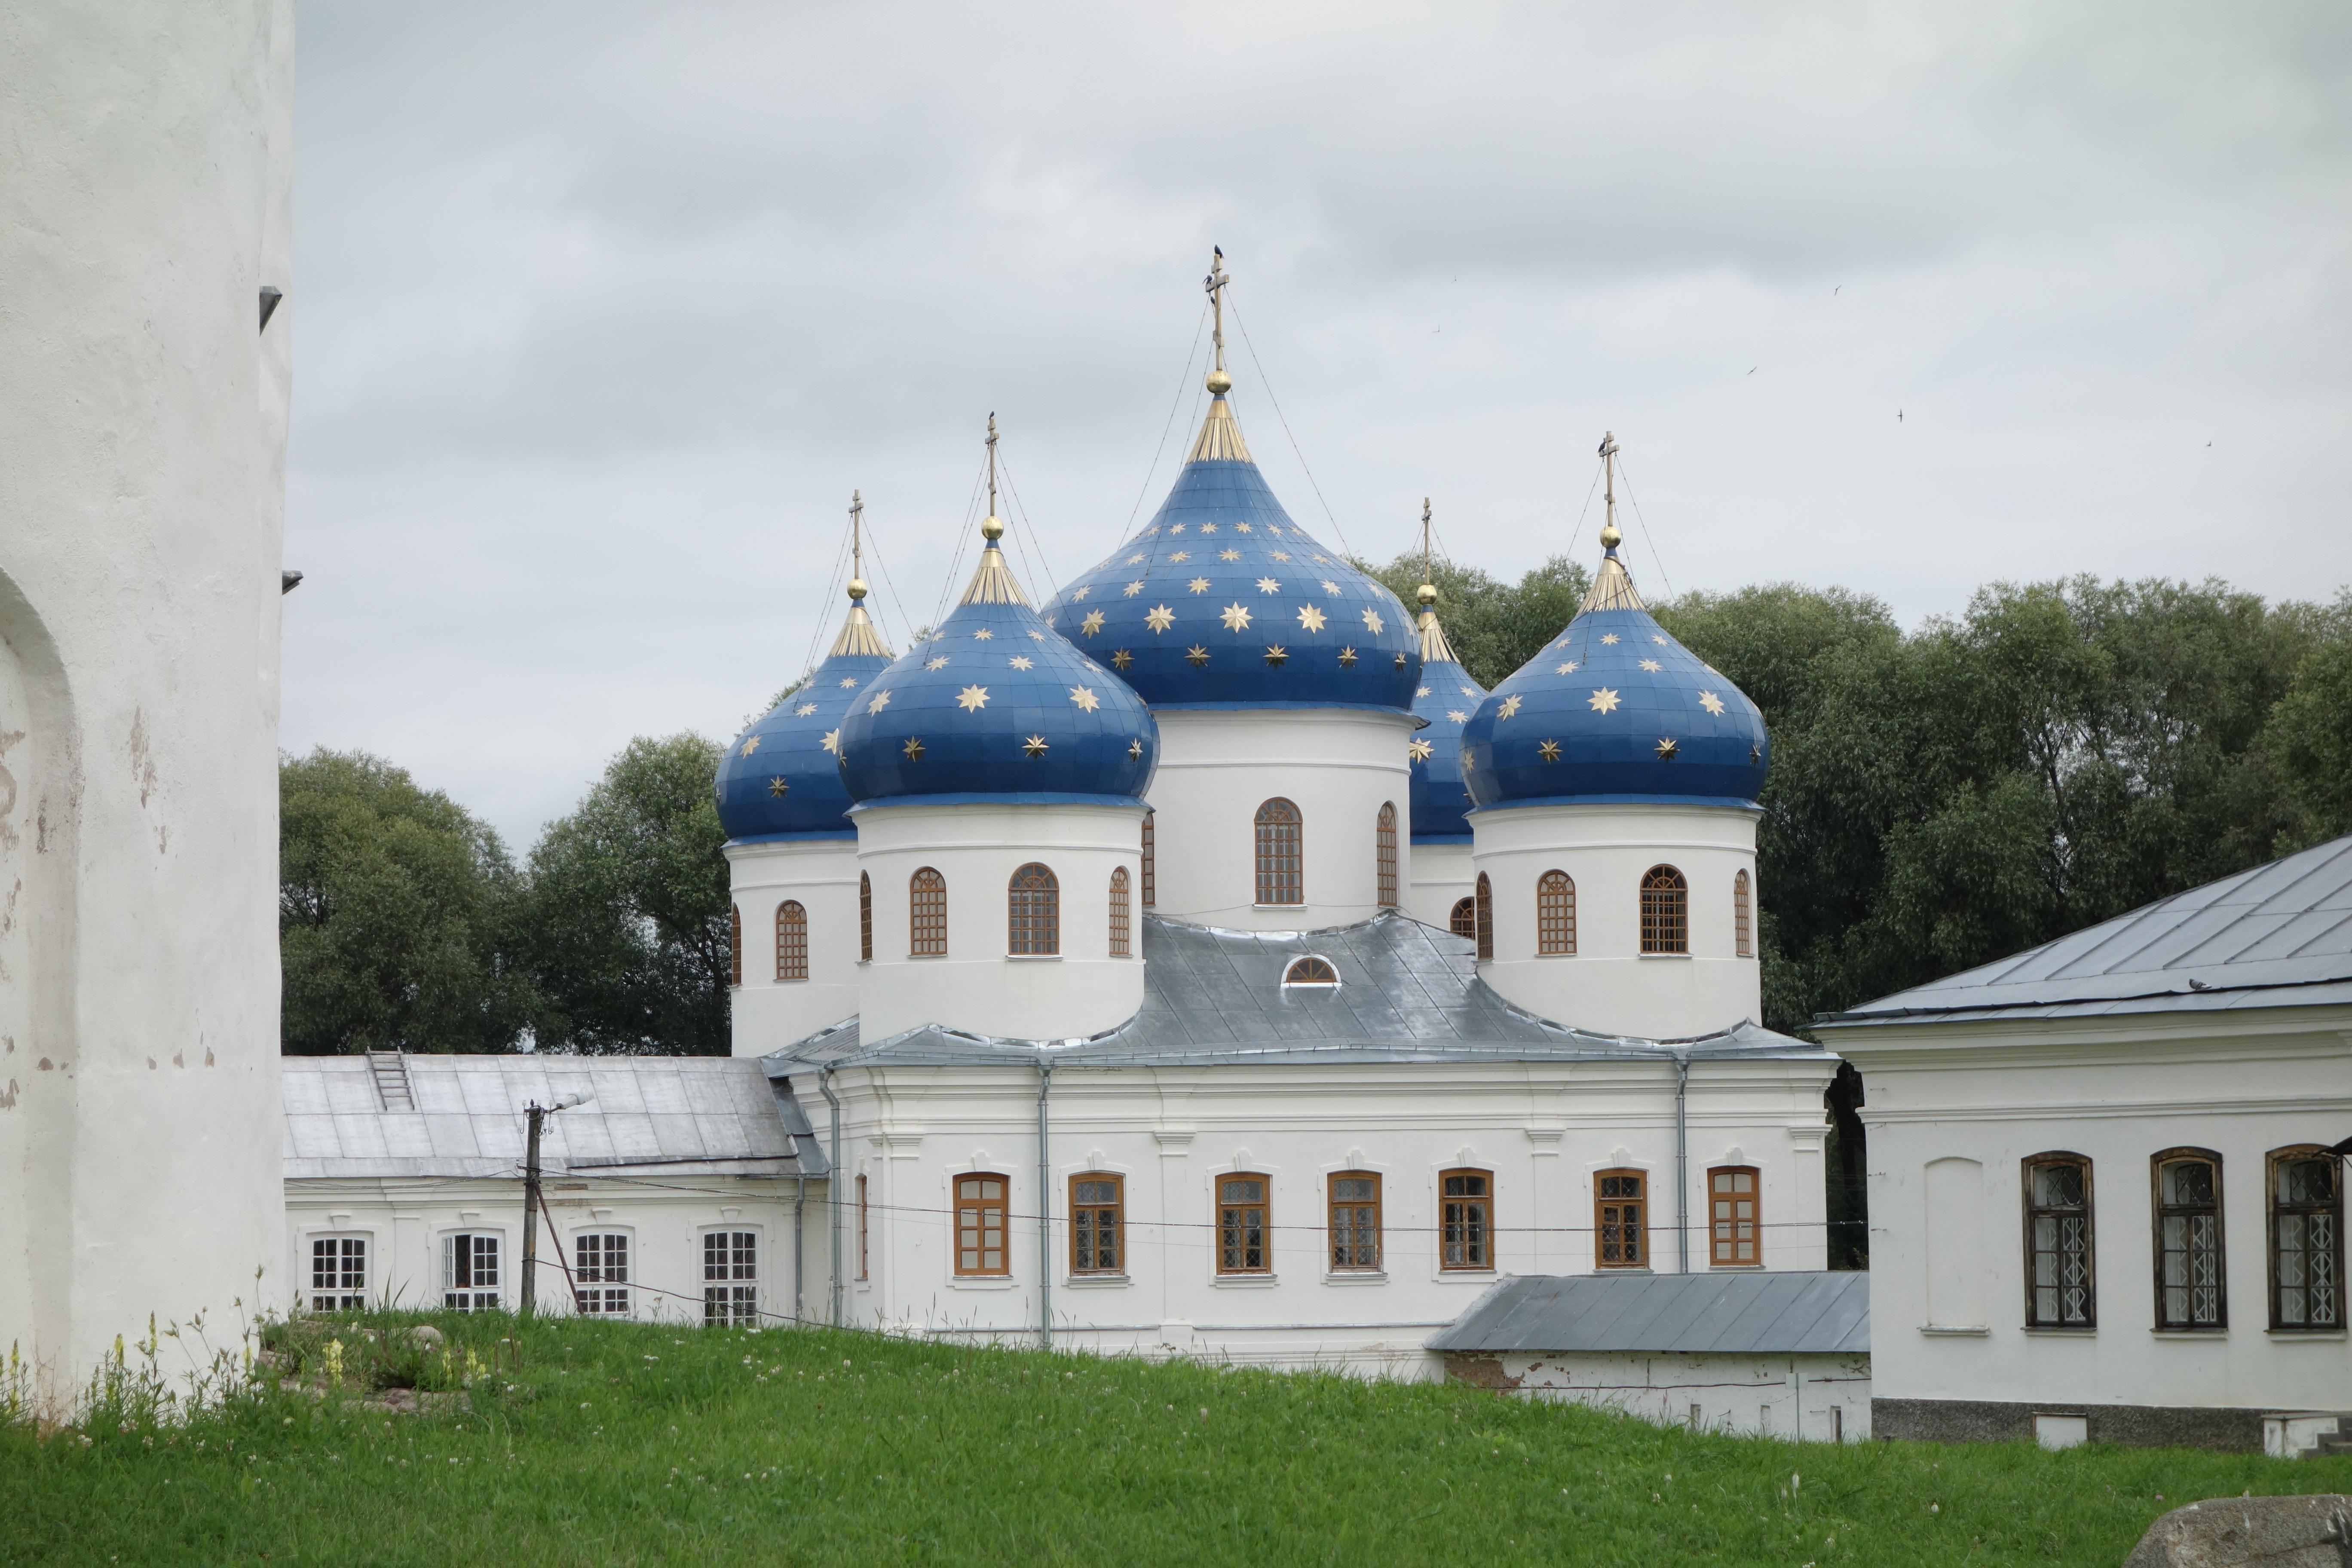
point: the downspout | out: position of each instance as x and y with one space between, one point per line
1044 1213
833 1186
1682 1157
800 1202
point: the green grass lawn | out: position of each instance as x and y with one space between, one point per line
634 1444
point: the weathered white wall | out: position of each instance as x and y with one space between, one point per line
1807 1398
144 204
766 1014
1609 985
1442 876
1338 766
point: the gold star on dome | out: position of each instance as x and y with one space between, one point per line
1241 528
939 663
1229 556
1177 528
1268 585
1659 640
1604 700
832 742
849 682
1092 624
1121 659
1423 692
1666 751
1400 657
1347 658
881 700
1466 761
1160 617
1082 593
1198 585
1510 706
1135 561
1652 664
913 748
1132 589
1036 636
1457 716
1608 637
1207 528
750 745
973 698
1711 702
1372 624
1329 586
805 710
1548 751
1084 696
1567 668
1311 618
1418 749
1472 691
1181 555
983 635
1277 655
1135 747
1274 529
1198 655
777 787
1151 533
1755 755
1281 555
1034 745
1022 661
1237 618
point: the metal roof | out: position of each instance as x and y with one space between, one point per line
1757 1313
1407 992
2277 936
680 1115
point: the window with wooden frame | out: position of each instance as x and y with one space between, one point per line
1735 1238
1097 1242
865 918
1033 912
2306 1222
1311 971
926 914
1355 1216
2191 1282
980 1224
600 1274
791 940
1463 920
2060 1285
1121 938
734 945
1666 910
1484 912
1620 1219
862 1215
1743 944
339 1274
731 1278
1244 1246
1466 1219
1281 859
1150 881
1556 914
1384 847
469 1272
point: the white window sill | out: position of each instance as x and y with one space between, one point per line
1683 956
1555 956
926 957
1244 1281
1357 1277
2212 1333
798 979
1629 1268
2290 1335
1098 1281
1480 1275
981 1282
1945 1331
1033 957
2061 1331
1271 908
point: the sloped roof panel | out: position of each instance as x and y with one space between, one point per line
1765 1313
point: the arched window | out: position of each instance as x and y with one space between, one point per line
927 910
1034 913
980 1224
2306 1242
1741 943
1666 910
1118 923
1555 913
1095 1200
865 918
1384 839
1485 913
1150 882
1467 1214
791 940
1279 880
2191 1285
1311 971
1243 1245
1355 1213
1731 1198
1620 1225
1463 920
2060 1290
734 945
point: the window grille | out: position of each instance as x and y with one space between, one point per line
734 945
2060 1291
1150 881
1280 858
2189 1281
1620 1219
1355 1221
862 1216
1034 912
600 1274
1096 1241
1486 917
865 918
1311 971
339 1274
1463 920
1555 913
1120 934
1466 1219
1242 1241
791 940
1742 943
730 1277
2306 1242
469 1272
1666 910
980 1224
1737 1240
927 901
1385 837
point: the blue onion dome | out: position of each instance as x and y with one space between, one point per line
1614 709
996 706
1446 699
1224 602
779 779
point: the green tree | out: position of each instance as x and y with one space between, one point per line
396 915
629 910
1494 627
2308 739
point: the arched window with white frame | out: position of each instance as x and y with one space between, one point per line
791 940
1281 855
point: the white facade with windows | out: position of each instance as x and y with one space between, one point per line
797 902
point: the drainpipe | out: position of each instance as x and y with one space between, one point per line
1044 1213
1682 1157
800 1202
833 1186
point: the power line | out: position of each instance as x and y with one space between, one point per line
1267 382
1645 527
1183 382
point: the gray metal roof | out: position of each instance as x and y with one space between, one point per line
1757 1313
1407 992
2277 936
681 1115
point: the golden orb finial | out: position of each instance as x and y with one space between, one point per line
1610 536
857 588
991 528
1220 382
1427 595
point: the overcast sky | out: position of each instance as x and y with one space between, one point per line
602 311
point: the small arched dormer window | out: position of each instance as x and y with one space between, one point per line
1033 912
1312 972
1556 914
926 914
734 945
1281 878
791 940
1463 920
1486 917
865 918
1120 939
1742 942
1666 910
1384 840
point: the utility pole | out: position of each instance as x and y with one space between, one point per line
536 1114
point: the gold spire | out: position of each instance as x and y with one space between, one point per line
1435 649
992 581
1613 585
857 633
1220 440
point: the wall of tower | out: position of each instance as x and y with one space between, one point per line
769 1010
1337 767
140 514
1609 983
1441 878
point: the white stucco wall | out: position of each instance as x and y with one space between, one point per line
1442 877
1804 1399
1338 766
765 1012
977 987
1609 985
143 205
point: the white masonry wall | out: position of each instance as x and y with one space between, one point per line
767 1012
1442 877
1804 1399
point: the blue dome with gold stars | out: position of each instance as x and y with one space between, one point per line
1445 700
1611 710
996 706
780 779
1224 602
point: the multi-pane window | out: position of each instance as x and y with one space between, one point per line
1486 917
863 1216
2191 1289
1466 1219
1311 971
1742 943
1355 1221
1464 920
1243 1244
2306 1241
1731 1197
2061 1291
1096 1245
1281 878
791 940
1555 913
926 914
469 1272
1621 1223
1666 910
339 1274
1121 940
730 1277
1034 912
980 1224
1150 881
865 918
1385 844
600 1274
734 945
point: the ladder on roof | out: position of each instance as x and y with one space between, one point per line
391 1069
